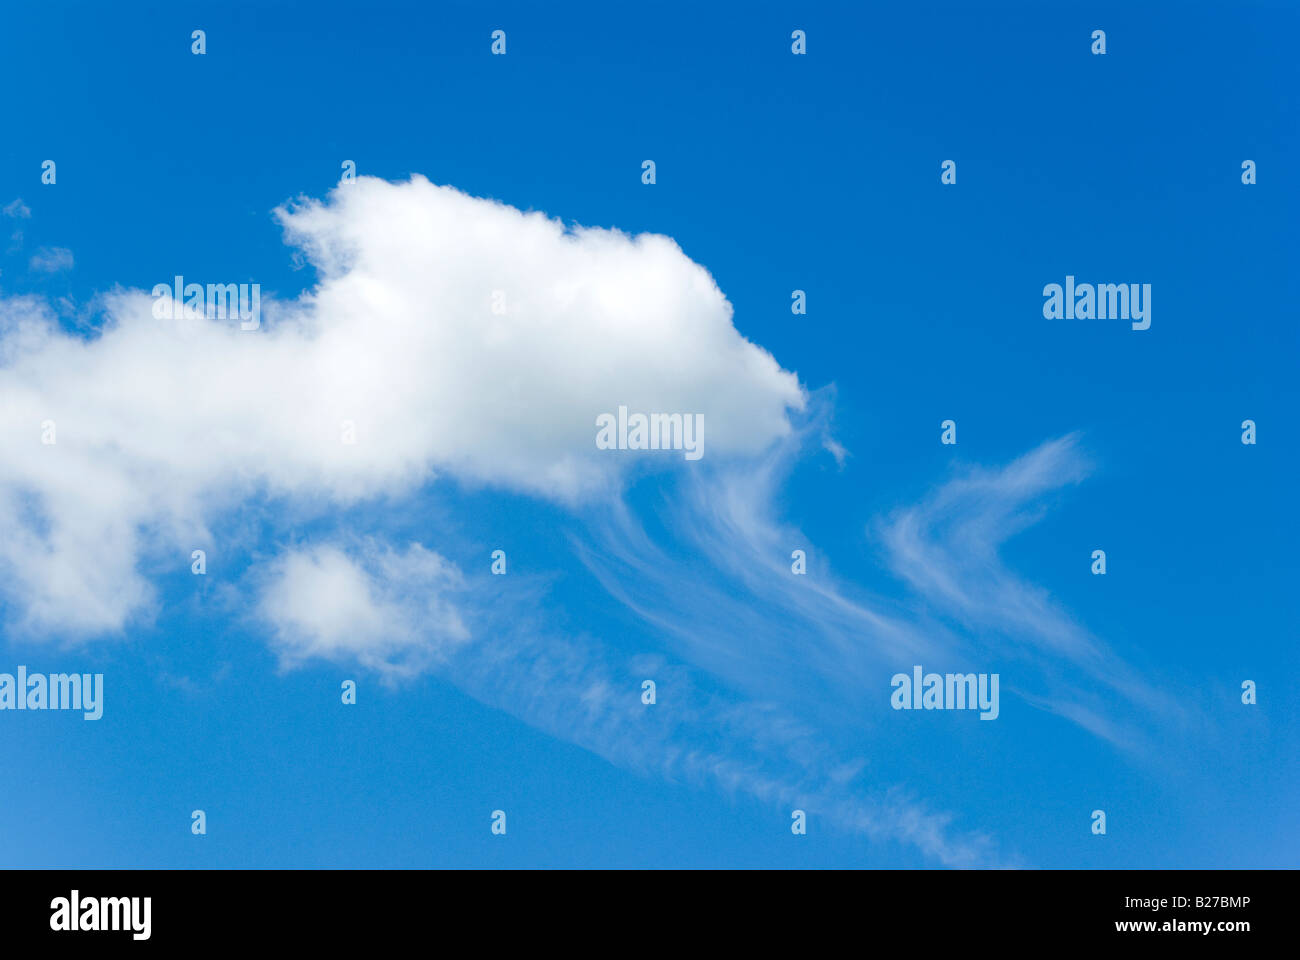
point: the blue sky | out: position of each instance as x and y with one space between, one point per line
774 172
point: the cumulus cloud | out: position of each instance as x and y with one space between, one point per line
160 422
51 260
17 209
593 318
393 612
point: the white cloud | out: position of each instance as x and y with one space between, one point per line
389 611
51 260
17 209
162 422
594 318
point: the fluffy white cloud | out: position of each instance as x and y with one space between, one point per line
593 318
391 612
161 422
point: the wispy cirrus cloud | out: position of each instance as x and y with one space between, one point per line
947 548
815 645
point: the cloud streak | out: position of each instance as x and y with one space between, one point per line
947 549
